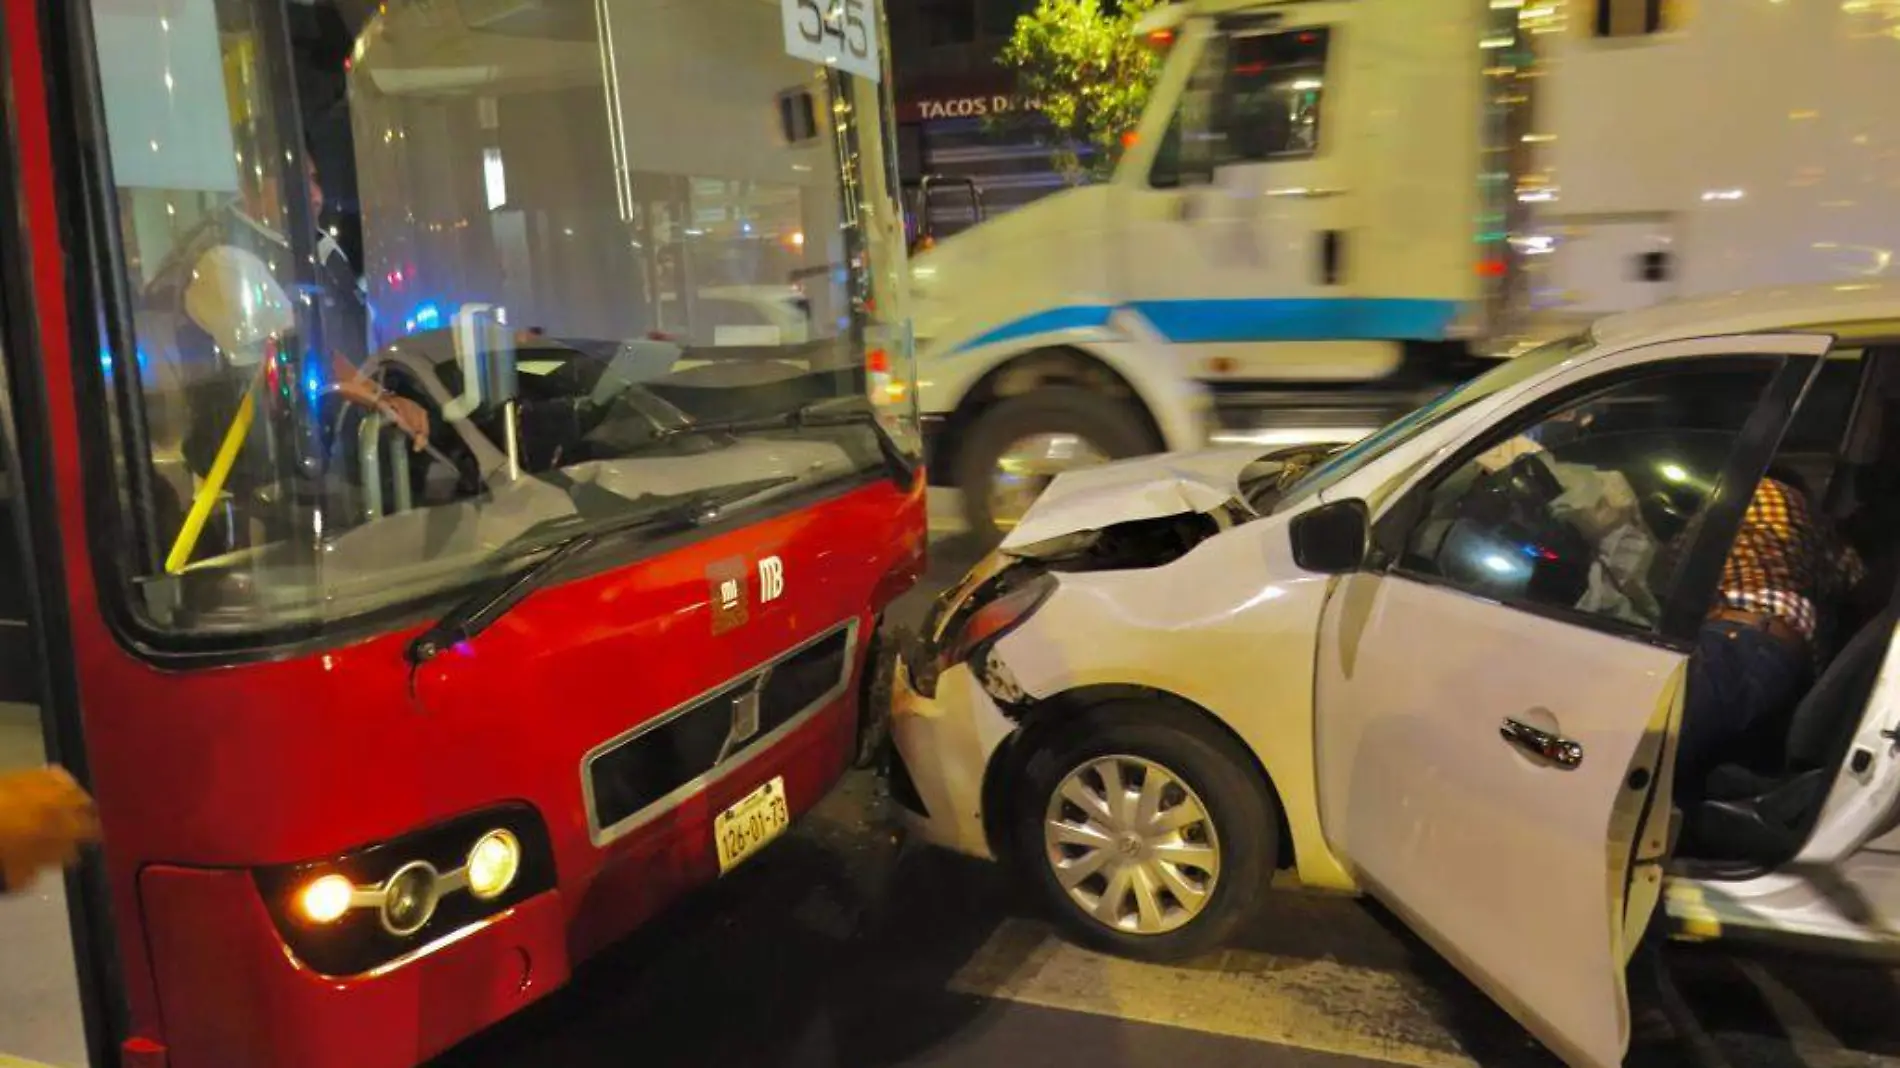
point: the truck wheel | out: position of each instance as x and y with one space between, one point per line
1145 833
1015 448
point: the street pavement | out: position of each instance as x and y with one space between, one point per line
839 947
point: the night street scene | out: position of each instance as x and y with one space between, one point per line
937 533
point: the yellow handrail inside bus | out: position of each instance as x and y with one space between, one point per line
207 495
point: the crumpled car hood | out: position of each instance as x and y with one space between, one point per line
1150 487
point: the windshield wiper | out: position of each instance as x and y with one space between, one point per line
487 605
902 469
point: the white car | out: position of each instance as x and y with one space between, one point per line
1443 666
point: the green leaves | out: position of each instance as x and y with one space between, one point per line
1088 76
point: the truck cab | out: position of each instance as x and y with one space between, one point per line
1332 210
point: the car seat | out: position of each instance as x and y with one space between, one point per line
1750 816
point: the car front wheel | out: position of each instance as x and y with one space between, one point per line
1147 833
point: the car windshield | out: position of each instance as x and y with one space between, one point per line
449 274
1497 380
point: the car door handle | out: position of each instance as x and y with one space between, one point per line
1542 744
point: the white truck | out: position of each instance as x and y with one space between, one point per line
1333 207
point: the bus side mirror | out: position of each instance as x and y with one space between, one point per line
1333 538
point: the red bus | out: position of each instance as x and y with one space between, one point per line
460 451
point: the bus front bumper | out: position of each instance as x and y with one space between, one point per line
235 995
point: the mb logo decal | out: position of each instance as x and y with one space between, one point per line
729 592
771 579
726 587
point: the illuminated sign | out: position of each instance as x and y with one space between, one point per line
960 106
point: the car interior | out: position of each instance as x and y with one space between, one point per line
1535 521
1756 809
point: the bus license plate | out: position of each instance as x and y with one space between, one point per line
743 829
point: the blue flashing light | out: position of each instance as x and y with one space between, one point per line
428 315
138 354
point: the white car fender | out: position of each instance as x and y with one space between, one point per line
1242 649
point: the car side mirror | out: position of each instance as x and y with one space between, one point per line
1332 539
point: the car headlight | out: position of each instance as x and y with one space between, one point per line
987 625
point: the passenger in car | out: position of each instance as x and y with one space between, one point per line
1782 584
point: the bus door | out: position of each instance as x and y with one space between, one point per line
40 1018
17 672
63 999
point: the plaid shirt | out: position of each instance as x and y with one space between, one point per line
1787 562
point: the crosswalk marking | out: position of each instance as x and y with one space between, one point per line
1317 1005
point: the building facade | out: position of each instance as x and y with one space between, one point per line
956 108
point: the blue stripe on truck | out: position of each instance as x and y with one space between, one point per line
1049 321
1192 322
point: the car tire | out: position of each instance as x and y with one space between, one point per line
1111 428
1211 770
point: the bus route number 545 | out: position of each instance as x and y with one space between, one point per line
838 33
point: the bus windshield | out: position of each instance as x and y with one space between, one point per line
454 274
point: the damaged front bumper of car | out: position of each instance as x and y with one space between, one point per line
944 744
956 699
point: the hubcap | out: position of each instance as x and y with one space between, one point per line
1132 845
1025 469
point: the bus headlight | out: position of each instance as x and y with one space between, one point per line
409 899
375 905
493 865
325 899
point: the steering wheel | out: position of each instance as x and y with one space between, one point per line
445 446
1521 491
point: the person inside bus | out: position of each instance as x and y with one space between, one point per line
45 817
221 297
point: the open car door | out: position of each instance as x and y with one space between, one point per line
1497 689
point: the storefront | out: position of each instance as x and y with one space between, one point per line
973 127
